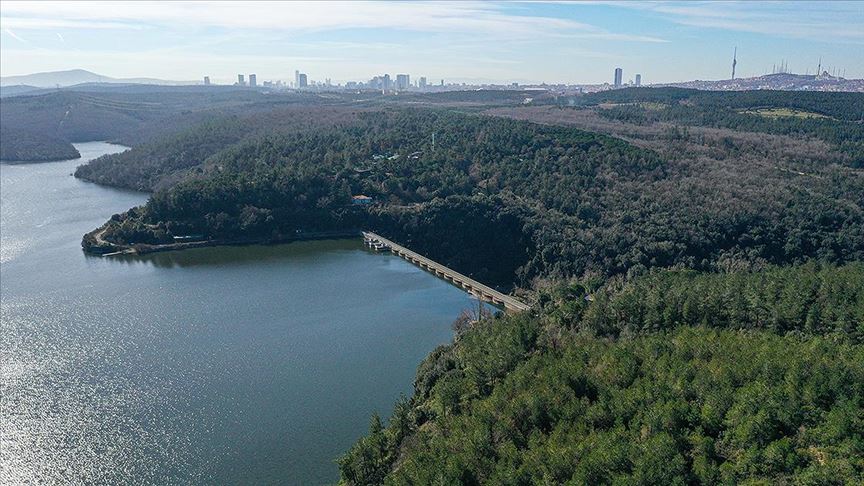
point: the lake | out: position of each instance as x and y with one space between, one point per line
253 365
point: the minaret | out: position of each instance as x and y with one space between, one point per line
734 61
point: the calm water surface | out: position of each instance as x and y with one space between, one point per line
220 365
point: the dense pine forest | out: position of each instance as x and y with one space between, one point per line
557 201
671 378
694 261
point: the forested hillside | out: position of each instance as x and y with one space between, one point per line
161 162
833 117
841 106
772 394
42 126
38 126
570 202
24 145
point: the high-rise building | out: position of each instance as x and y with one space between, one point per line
382 82
422 82
296 78
403 81
206 80
619 75
638 80
241 80
302 80
253 80
442 82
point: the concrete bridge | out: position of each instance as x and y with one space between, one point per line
472 286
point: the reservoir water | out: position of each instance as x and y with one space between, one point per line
235 365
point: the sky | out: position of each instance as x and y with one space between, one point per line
475 42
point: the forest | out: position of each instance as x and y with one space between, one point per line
23 146
841 106
839 120
663 391
159 161
567 202
42 125
37 127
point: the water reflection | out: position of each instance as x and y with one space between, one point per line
241 255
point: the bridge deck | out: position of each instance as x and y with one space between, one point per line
474 287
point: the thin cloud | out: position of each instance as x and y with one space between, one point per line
40 23
821 21
14 36
476 18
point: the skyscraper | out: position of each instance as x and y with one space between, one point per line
296 78
302 80
241 80
638 80
253 80
403 81
206 80
619 75
422 82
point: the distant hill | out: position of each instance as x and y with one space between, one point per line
72 77
779 81
41 124
17 89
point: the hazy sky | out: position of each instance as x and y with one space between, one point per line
573 42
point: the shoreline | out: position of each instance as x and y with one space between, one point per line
108 249
37 161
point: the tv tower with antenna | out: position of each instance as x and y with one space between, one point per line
734 61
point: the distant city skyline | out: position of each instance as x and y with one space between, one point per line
473 42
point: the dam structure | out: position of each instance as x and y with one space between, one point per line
473 287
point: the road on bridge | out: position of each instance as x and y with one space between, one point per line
475 288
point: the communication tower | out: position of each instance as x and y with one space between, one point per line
734 61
